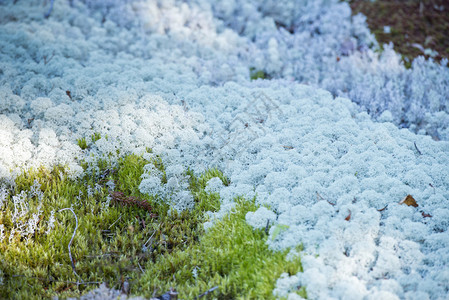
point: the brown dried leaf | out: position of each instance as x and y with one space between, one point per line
409 200
426 215
68 93
319 197
349 216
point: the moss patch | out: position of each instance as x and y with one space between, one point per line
83 143
123 235
230 256
258 74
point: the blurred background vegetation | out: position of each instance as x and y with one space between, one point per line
412 25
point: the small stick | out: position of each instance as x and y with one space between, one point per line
47 14
318 197
149 239
416 147
432 187
152 235
71 240
39 220
140 267
114 222
266 227
207 292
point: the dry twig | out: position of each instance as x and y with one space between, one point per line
416 147
319 197
207 292
120 198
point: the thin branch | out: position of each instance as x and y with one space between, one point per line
416 147
267 226
148 241
432 187
114 222
207 292
47 14
140 267
319 197
71 240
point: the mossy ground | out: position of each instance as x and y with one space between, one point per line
423 22
230 256
258 74
125 236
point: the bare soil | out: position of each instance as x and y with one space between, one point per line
423 22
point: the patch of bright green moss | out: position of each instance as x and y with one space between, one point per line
231 256
83 144
125 235
257 74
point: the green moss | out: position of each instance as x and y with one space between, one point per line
258 74
41 265
231 256
302 292
128 174
123 232
96 136
82 143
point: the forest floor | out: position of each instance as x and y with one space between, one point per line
414 25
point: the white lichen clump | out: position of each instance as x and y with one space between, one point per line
261 218
27 213
174 192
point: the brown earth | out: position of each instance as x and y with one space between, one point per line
419 22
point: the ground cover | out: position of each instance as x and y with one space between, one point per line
212 85
131 242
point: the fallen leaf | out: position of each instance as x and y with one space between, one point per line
409 200
68 93
382 209
426 215
349 216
